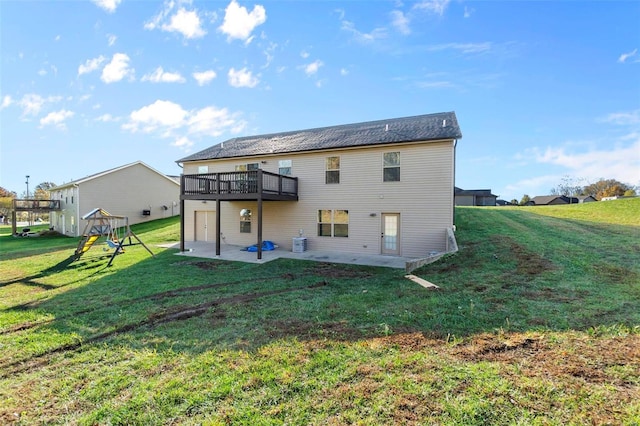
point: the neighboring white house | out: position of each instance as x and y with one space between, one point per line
381 187
134 190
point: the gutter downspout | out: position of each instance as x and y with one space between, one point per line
453 203
77 191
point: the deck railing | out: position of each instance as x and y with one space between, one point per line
238 183
35 205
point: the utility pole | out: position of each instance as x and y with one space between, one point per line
28 213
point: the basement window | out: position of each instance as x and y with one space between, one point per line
333 223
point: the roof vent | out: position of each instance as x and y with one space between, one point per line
386 127
444 123
222 145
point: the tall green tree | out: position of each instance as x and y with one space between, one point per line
41 192
525 199
6 198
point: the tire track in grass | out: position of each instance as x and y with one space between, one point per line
156 296
153 320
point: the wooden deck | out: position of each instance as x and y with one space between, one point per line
234 186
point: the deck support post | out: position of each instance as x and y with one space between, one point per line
182 224
259 214
218 233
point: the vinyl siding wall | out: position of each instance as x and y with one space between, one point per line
423 198
124 192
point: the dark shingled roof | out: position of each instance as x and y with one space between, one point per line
427 127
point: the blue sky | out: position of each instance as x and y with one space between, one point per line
542 89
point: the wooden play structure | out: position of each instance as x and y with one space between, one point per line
116 229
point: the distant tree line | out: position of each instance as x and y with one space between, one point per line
571 187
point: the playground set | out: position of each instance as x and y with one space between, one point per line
116 229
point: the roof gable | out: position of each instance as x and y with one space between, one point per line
430 127
109 171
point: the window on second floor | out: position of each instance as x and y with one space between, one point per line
203 169
391 167
332 171
284 167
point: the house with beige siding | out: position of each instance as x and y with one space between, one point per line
134 190
380 187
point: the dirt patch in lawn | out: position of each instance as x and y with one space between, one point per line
329 270
593 360
309 330
615 274
604 360
528 262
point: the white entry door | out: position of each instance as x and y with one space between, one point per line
205 225
391 233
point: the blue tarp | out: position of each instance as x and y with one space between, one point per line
266 246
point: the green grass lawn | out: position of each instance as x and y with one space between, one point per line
537 321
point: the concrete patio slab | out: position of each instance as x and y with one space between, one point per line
236 254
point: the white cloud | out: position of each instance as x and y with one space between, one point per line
204 77
210 121
462 47
361 37
160 76
91 65
304 54
106 118
468 11
623 118
313 67
183 21
108 5
111 39
437 7
57 38
187 23
242 78
239 23
268 53
437 84
56 118
6 101
400 22
538 185
183 143
623 58
31 104
621 162
42 72
160 115
170 120
117 69
344 71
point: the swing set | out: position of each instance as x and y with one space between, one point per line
101 223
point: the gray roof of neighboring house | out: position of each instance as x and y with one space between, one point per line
547 199
476 192
429 127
